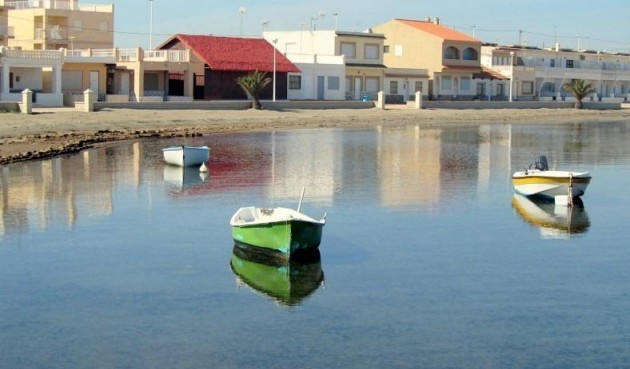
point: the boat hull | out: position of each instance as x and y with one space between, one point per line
186 156
284 238
550 184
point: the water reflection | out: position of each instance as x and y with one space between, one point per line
554 221
286 282
181 178
399 168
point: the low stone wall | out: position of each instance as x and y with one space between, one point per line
342 104
10 106
234 105
516 105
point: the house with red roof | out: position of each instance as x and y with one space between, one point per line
217 61
451 58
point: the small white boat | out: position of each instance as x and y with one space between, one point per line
186 156
538 180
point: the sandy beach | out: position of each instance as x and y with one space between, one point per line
51 132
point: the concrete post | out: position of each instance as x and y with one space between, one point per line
418 102
380 102
88 101
27 102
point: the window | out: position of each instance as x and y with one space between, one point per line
151 82
398 50
569 63
349 49
333 83
470 54
295 82
371 84
386 49
451 53
371 51
481 89
464 84
393 87
552 63
527 88
447 83
417 86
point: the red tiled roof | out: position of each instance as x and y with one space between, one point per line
439 30
236 53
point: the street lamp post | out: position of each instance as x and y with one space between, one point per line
275 41
241 11
511 72
151 26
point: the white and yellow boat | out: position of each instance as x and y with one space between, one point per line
538 180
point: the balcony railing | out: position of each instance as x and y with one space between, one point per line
6 31
165 55
132 55
54 34
58 5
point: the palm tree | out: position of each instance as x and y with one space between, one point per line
253 84
579 89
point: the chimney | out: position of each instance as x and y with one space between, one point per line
427 19
437 20
557 46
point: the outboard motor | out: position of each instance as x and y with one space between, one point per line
541 163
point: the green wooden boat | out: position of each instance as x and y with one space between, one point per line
288 283
281 231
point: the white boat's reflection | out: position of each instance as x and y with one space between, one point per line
554 221
184 177
288 283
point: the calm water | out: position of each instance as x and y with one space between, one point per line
110 259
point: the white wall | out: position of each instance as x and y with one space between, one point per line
31 78
309 74
303 42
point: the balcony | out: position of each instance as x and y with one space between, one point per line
6 32
58 5
134 55
53 34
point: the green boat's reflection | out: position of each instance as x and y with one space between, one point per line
554 221
286 282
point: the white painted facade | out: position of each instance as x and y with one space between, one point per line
322 73
36 70
539 74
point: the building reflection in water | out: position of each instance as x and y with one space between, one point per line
288 283
403 167
554 221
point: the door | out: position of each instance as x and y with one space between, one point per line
124 84
357 88
320 87
94 82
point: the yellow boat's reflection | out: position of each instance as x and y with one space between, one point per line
554 221
286 282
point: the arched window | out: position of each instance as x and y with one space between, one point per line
451 53
470 54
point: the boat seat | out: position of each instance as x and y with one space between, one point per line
247 214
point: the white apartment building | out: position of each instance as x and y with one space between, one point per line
335 65
321 71
539 74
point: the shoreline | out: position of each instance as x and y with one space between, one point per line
52 132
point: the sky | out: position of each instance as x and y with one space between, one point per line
594 25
